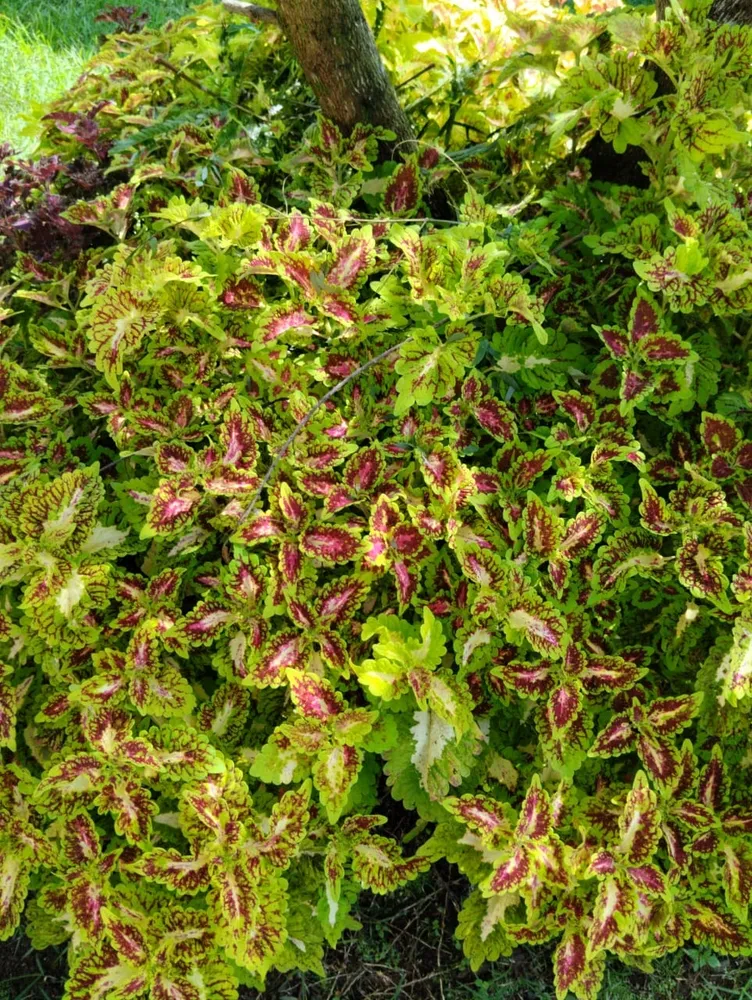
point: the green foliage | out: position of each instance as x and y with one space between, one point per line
257 587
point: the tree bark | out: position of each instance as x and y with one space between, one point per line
337 52
724 11
252 11
732 11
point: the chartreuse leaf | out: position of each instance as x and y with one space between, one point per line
429 368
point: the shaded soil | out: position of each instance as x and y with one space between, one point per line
407 951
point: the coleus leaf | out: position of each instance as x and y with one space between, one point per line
646 730
10 701
14 875
527 679
656 514
250 917
282 651
224 719
711 925
313 696
429 368
563 707
126 938
334 773
77 779
379 865
670 715
580 535
86 899
117 326
353 260
402 193
542 529
481 928
330 544
737 877
483 816
439 757
534 855
80 840
719 434
700 569
183 874
576 968
25 396
278 839
639 823
535 821
131 806
173 506
62 514
542 625
494 416
736 668
512 873
101 973
628 553
614 908
609 673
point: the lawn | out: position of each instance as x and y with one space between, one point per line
43 46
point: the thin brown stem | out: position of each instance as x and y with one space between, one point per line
281 452
199 86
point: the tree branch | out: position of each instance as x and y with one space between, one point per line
252 11
337 52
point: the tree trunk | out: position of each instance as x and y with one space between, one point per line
252 11
337 52
732 11
724 11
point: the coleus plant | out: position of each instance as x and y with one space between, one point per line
316 510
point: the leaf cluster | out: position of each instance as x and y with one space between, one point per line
261 595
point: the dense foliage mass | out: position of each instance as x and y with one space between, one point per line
263 596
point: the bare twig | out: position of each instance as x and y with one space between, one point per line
415 76
281 452
441 941
560 246
199 86
252 11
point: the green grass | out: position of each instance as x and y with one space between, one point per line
44 45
